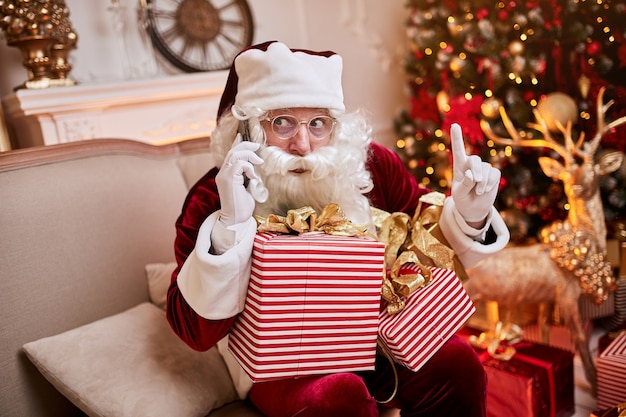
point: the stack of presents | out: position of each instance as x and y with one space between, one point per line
317 308
536 377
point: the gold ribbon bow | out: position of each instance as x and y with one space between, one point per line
619 408
399 286
413 240
332 220
492 340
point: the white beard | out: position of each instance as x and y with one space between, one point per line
329 178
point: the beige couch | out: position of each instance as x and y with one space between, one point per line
87 233
83 227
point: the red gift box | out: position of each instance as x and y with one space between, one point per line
430 318
312 306
538 381
558 335
611 369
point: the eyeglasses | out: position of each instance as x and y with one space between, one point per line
286 126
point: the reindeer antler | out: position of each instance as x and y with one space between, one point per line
567 150
602 128
515 139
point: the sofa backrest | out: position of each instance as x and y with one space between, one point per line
78 224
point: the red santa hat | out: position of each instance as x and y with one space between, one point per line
273 76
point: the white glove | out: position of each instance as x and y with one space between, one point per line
237 203
474 182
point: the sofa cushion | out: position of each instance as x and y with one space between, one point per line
159 276
132 364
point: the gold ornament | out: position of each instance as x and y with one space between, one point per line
583 85
516 48
491 108
443 102
558 108
457 64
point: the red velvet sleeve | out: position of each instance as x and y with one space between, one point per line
199 333
395 189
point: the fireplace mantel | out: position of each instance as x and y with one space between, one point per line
156 111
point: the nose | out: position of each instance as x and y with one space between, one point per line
300 143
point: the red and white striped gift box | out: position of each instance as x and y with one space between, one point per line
431 316
611 372
312 306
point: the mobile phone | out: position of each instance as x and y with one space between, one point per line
245 134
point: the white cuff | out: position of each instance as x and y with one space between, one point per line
215 286
470 251
225 237
475 234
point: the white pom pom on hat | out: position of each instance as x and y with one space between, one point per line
273 76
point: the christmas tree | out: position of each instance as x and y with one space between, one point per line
469 59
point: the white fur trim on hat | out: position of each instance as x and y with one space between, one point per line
280 78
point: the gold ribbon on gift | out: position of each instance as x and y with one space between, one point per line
414 240
493 340
619 408
420 234
332 220
398 286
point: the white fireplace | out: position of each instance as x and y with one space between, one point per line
157 110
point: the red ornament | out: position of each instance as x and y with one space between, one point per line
482 13
503 15
503 183
594 48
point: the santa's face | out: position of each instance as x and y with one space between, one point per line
304 167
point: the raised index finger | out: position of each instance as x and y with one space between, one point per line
459 157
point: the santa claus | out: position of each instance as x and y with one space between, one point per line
285 140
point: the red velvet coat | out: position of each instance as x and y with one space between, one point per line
395 190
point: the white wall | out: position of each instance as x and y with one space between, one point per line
369 34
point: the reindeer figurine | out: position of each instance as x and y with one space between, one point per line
569 262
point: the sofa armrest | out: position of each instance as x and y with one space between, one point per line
79 222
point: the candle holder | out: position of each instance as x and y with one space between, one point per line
42 30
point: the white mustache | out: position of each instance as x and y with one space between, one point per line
318 163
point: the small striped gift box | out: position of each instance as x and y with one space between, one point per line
590 310
611 371
431 316
312 306
619 315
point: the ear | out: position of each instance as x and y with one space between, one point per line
610 162
551 167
